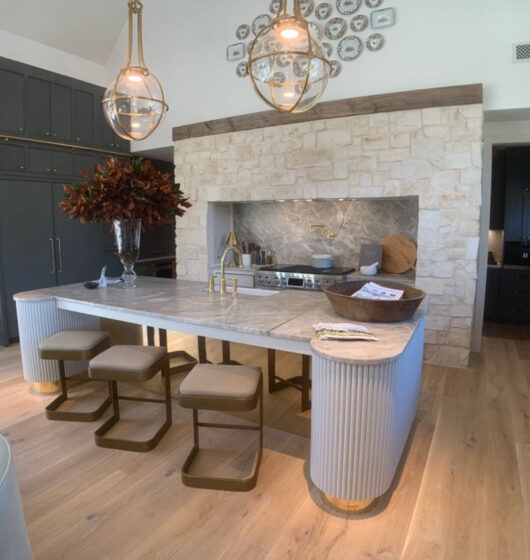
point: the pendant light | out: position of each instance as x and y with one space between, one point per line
134 103
287 65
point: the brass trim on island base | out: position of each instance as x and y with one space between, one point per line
385 103
351 506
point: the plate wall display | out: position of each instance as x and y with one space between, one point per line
359 23
328 49
274 7
314 29
243 31
250 45
235 52
348 7
323 11
242 70
283 60
382 18
300 66
375 42
373 3
306 7
335 28
350 48
336 67
260 22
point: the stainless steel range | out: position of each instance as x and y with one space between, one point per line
301 277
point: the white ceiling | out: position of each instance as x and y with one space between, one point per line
85 28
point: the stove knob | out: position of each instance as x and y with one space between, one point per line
267 280
277 281
309 283
284 281
317 284
259 279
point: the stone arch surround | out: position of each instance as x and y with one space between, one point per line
433 153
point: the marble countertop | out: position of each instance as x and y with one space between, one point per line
287 314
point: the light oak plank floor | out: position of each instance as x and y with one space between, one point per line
462 491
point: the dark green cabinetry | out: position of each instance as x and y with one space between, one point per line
12 99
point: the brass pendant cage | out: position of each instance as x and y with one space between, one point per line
134 104
287 65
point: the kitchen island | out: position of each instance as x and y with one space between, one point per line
364 396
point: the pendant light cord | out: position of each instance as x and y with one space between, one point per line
135 7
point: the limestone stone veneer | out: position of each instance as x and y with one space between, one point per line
434 153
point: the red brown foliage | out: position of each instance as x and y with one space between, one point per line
122 190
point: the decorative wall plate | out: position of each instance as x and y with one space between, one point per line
250 45
373 3
375 42
359 23
336 67
350 48
306 7
284 60
315 31
242 70
335 28
328 49
382 18
348 7
323 11
260 22
243 31
300 65
235 51
274 7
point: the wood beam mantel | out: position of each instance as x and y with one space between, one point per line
401 101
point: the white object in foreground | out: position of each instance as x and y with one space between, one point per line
14 543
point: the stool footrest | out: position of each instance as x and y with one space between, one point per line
52 412
227 426
181 368
126 444
218 483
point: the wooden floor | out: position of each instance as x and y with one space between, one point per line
462 491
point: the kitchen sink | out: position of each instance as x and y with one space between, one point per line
246 291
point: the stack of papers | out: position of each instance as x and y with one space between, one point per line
342 331
371 290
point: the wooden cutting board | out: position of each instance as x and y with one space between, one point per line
399 253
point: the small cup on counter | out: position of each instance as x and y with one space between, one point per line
247 259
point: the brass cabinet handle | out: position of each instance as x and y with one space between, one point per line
47 134
78 139
48 170
21 168
52 249
55 170
60 249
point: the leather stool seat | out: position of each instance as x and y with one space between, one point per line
228 388
73 345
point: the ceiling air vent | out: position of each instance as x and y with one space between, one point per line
521 52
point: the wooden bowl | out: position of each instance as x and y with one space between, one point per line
370 310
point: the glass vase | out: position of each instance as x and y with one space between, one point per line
127 234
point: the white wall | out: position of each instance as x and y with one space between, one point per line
24 50
434 43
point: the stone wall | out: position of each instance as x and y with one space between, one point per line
434 154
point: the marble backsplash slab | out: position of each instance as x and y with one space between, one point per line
283 227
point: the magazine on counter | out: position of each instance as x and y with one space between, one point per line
371 290
342 331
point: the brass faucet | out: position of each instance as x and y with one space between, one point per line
225 252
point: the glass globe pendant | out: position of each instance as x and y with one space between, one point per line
134 104
287 65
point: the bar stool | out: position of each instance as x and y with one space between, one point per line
137 364
73 345
228 388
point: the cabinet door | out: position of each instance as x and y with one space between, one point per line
526 215
12 97
39 108
26 241
83 161
50 161
62 163
105 137
518 167
83 117
513 214
61 112
79 248
12 157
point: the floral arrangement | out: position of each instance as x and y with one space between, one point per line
125 189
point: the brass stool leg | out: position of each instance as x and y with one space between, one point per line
52 412
300 382
181 368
